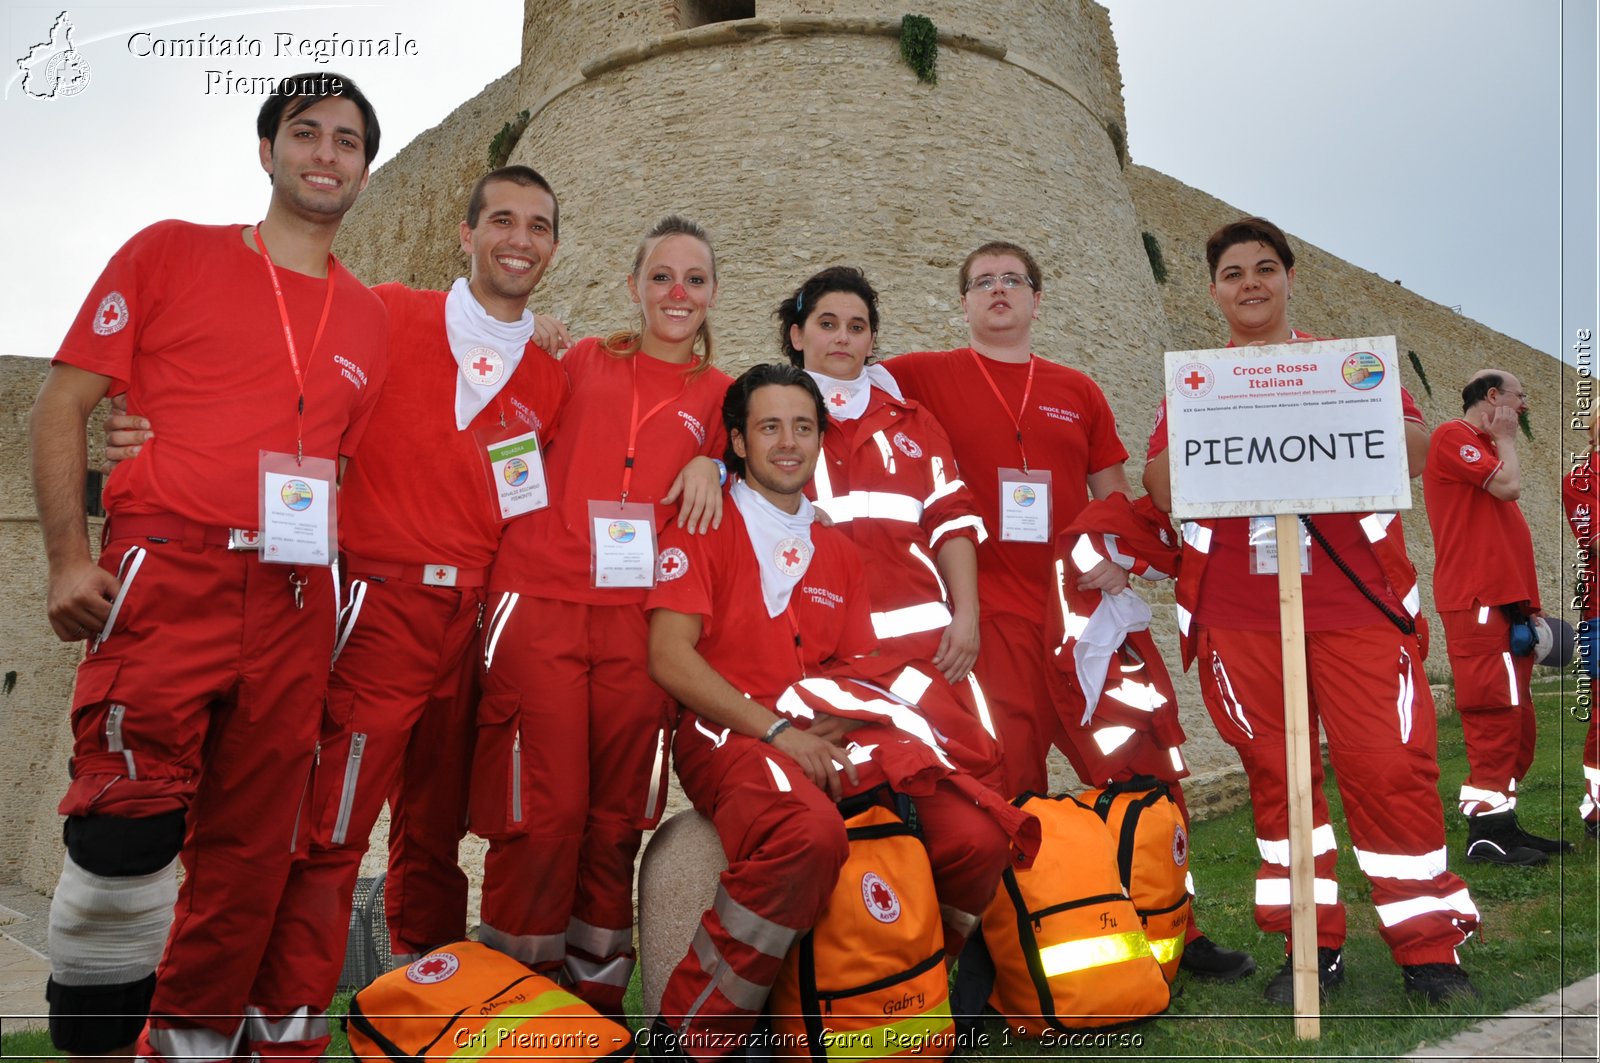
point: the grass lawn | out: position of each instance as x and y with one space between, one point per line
1539 933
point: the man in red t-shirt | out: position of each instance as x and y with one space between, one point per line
1485 589
1028 434
422 522
211 612
738 615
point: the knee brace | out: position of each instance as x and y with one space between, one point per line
108 923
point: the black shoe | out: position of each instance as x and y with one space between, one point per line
1439 982
1330 973
1496 839
1591 827
1544 845
1204 958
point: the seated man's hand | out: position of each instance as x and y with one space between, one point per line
816 757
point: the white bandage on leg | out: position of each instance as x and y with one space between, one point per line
109 931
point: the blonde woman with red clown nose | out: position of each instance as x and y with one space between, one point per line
571 760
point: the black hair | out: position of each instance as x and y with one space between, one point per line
798 308
526 177
1478 389
1248 231
736 403
298 92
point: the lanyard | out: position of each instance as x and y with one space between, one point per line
1016 418
288 339
634 421
794 628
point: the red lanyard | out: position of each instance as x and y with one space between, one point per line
1016 418
288 339
794 628
634 421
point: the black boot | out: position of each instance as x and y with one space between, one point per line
1204 958
1497 839
1543 845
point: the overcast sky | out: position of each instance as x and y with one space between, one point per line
1420 139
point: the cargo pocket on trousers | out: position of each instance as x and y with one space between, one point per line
499 787
340 752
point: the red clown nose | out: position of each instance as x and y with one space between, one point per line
678 292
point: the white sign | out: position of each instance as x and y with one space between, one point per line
1314 427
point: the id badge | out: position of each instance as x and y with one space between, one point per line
622 537
1264 547
299 509
1024 506
516 471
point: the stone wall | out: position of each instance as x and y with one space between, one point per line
36 668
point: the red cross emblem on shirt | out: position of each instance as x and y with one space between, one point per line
108 316
669 565
837 398
1194 380
483 366
791 556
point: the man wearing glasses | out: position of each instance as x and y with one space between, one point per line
1034 440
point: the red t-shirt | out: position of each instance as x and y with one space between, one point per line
546 554
715 577
1232 595
417 491
184 320
1482 549
1579 496
1067 429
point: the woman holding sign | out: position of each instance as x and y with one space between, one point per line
1365 644
572 735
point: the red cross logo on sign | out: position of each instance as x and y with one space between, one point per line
1195 380
483 366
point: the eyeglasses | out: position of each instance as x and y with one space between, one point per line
1008 281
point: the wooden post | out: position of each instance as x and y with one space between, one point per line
1297 750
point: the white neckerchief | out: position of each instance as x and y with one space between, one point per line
782 543
487 351
846 400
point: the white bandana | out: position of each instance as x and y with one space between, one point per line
846 400
487 351
782 543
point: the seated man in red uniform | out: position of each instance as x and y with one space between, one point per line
211 612
736 617
1484 586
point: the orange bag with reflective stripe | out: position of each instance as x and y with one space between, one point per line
1152 859
869 980
1068 947
467 1001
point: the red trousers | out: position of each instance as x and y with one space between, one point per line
401 689
1366 688
1012 688
217 681
785 844
571 770
1495 701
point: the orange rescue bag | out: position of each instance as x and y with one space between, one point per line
869 980
467 1001
1152 859
1068 947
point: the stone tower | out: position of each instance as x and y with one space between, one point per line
793 130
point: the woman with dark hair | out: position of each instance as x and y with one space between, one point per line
1365 684
571 762
887 478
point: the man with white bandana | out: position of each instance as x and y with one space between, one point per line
454 450
738 616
